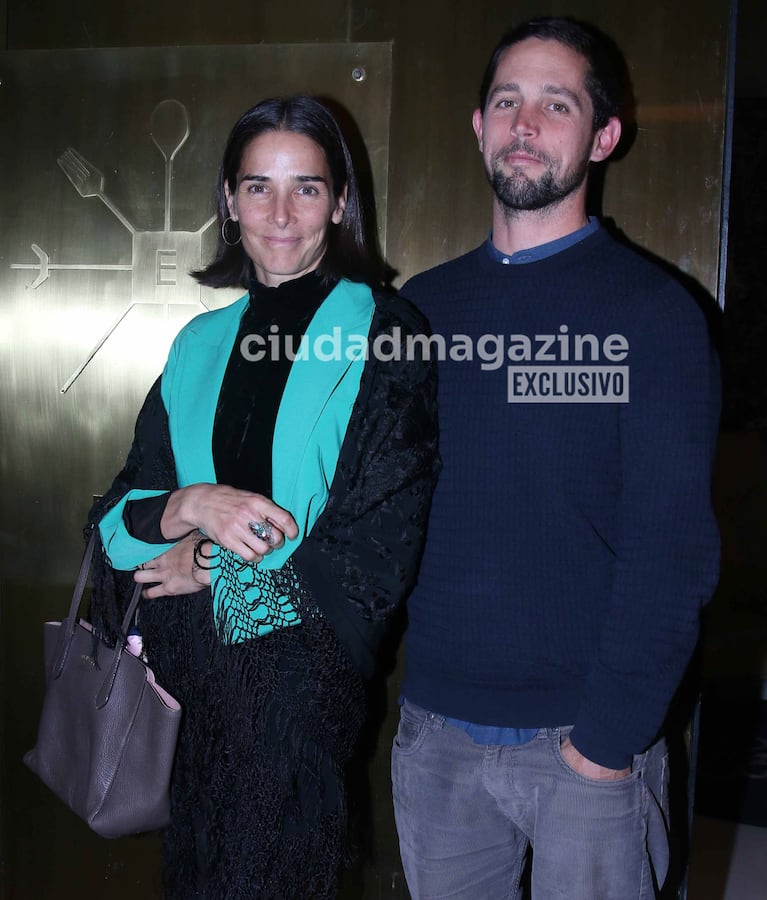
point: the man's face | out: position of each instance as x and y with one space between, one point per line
536 134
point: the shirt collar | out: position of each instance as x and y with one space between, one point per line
542 251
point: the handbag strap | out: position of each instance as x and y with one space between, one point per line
74 608
102 698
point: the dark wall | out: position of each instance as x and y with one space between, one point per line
750 71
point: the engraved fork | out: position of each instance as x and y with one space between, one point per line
88 181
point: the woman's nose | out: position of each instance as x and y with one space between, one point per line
281 211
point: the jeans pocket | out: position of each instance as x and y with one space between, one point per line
413 725
597 782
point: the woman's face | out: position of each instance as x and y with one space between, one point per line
284 204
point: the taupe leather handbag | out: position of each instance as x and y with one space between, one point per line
107 733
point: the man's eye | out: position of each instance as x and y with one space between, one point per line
308 190
507 104
558 107
255 187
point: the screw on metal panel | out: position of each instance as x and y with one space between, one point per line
359 73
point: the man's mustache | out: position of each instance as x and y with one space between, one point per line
521 147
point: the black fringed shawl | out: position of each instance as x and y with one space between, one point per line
258 801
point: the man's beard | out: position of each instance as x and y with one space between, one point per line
519 192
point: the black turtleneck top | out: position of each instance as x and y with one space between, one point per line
250 396
251 391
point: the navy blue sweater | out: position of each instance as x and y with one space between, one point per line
571 544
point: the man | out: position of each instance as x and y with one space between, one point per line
571 542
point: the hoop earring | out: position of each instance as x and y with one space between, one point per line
228 243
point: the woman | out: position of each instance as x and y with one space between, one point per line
275 505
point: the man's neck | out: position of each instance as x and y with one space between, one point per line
531 228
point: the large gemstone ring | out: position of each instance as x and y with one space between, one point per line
263 531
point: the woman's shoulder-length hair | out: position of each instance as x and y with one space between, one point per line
351 249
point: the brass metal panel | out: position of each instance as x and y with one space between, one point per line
107 167
439 202
666 194
52 24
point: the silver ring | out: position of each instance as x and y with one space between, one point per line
263 531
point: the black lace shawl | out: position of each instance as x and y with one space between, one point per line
258 799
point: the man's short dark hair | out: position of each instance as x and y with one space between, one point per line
606 78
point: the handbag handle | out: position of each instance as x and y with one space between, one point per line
74 607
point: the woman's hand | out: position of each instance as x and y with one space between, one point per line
174 572
228 516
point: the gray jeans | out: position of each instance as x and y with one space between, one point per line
466 814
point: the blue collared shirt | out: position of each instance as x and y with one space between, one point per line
534 254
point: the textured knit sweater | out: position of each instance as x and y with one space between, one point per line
571 544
